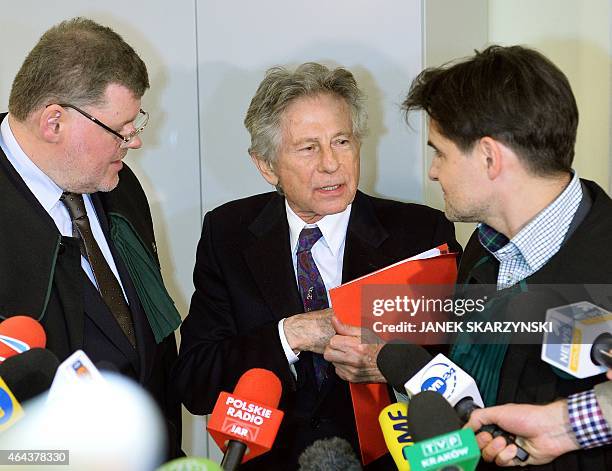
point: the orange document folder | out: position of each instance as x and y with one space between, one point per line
436 266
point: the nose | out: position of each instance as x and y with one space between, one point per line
135 143
433 172
328 161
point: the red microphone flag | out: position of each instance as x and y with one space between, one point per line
249 414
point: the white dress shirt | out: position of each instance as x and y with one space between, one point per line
48 194
327 252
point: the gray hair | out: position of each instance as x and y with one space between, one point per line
74 62
280 87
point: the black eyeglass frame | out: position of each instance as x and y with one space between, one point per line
125 139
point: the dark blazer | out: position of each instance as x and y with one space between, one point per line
41 276
584 258
245 283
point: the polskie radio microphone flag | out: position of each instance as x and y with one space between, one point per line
244 423
393 421
440 443
19 334
580 341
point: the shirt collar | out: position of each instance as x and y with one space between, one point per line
333 227
46 190
548 227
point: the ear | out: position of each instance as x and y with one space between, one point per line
52 122
265 168
492 152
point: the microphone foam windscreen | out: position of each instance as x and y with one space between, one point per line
30 373
430 415
398 362
329 454
261 386
23 329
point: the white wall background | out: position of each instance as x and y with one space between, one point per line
206 57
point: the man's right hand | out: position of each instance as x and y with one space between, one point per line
310 331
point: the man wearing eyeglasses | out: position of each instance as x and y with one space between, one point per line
77 249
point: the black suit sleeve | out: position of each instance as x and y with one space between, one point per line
220 341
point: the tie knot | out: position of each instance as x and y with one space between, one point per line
75 205
308 237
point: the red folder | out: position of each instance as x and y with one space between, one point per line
370 398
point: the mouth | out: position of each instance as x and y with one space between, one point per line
329 188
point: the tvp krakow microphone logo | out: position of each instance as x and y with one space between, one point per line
440 378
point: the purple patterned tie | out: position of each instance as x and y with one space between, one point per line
312 288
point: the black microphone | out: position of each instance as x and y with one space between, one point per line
400 362
430 415
329 454
30 373
440 443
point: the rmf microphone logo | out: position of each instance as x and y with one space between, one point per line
10 410
440 378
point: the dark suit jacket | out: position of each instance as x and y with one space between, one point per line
41 276
584 259
245 283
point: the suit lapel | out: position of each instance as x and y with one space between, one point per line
364 237
269 260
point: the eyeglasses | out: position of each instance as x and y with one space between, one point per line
139 124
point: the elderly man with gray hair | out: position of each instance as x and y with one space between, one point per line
265 264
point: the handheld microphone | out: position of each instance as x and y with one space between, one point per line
75 369
30 373
18 334
23 377
442 376
113 425
580 341
329 454
440 443
244 424
398 362
393 421
190 463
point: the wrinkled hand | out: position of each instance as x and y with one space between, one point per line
543 431
310 331
353 352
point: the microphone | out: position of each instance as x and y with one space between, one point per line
410 368
580 341
30 373
18 334
244 424
391 361
190 463
23 377
440 443
393 421
112 425
76 369
329 454
439 375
